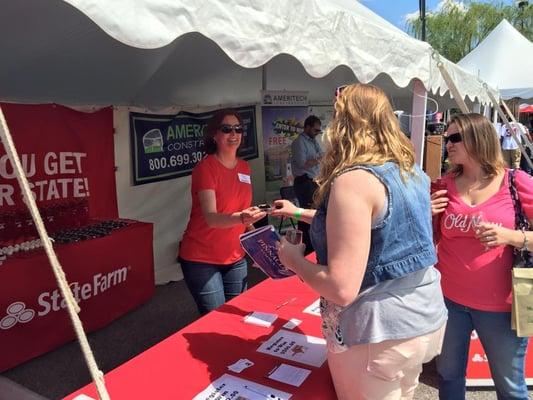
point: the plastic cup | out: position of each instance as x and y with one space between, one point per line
294 236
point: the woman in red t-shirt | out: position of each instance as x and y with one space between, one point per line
475 256
210 254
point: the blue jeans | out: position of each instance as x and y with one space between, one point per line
211 285
505 353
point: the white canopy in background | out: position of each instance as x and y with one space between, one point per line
504 59
197 55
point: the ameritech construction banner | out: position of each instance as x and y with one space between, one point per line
169 146
65 154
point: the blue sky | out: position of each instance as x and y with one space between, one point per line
395 11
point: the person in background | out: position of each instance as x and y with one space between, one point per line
475 252
510 149
383 313
210 254
305 155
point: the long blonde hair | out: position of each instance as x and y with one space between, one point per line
481 143
364 131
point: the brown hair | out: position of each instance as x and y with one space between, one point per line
481 143
364 130
210 146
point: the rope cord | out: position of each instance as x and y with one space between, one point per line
72 307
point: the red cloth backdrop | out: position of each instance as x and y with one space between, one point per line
66 155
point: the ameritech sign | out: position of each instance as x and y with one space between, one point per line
284 98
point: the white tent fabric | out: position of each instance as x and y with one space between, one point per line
69 59
198 55
504 59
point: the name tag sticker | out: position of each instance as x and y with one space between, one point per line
244 178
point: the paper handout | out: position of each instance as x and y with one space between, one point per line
229 387
296 347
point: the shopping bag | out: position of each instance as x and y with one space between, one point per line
522 309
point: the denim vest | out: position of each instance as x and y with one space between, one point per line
403 242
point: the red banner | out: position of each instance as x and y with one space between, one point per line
67 156
108 276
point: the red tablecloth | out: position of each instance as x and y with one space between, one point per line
109 276
185 363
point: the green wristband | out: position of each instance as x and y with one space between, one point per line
298 214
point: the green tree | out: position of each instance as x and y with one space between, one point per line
457 28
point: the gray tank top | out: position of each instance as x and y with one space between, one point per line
401 308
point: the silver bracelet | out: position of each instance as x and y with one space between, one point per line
526 241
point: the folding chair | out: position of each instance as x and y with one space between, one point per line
287 193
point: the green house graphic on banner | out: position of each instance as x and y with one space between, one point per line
153 141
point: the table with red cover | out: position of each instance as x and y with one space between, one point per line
109 276
184 364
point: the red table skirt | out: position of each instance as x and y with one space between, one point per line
185 363
109 276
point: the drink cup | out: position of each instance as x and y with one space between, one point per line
438 184
294 236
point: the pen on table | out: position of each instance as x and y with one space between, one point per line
285 303
267 395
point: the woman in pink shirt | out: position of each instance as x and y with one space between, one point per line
475 255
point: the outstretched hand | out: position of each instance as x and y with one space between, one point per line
251 215
283 208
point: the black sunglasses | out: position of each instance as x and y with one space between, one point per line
226 128
454 138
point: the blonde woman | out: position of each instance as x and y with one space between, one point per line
381 303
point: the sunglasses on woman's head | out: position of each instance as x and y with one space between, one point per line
454 138
339 90
227 128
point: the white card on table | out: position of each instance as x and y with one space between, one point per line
292 323
240 365
289 374
260 318
313 308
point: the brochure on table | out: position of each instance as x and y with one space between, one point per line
296 347
229 387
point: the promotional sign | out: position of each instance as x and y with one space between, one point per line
67 156
281 125
478 371
169 146
284 98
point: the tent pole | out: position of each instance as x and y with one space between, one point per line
418 120
459 99
263 77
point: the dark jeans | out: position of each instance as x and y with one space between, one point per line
211 285
304 188
505 353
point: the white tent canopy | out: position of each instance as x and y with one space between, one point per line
198 55
504 59
132 52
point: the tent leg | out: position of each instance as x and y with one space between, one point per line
418 120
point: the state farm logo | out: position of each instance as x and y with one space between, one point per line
53 301
16 312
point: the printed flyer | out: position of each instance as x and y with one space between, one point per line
229 387
293 346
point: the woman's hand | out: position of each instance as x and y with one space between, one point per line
283 208
251 215
439 202
494 235
289 254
